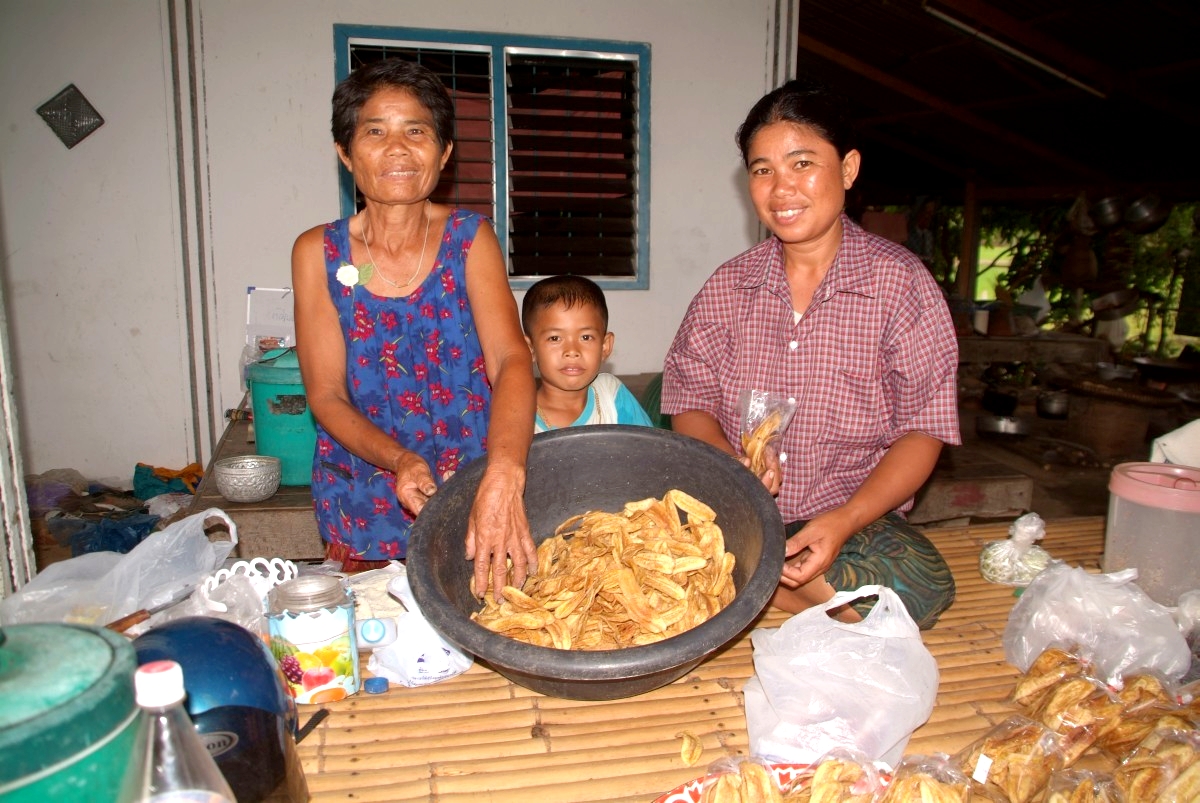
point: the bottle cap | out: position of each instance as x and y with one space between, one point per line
158 684
372 631
375 685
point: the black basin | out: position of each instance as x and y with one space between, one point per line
600 468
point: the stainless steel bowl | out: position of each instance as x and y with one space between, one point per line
248 478
1001 425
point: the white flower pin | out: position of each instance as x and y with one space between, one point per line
349 275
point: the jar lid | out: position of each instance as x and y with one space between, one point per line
63 690
308 592
1161 485
276 367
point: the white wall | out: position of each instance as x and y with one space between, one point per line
94 256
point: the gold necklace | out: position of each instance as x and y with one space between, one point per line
420 260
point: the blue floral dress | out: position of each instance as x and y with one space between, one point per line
414 367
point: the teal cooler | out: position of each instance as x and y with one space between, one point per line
283 423
70 729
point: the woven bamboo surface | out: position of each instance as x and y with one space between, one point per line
478 737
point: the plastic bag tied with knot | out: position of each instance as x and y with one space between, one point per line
1018 560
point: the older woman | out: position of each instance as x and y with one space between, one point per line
410 345
851 327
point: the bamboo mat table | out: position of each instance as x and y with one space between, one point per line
478 737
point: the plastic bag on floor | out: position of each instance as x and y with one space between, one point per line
101 587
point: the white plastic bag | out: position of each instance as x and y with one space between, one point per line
100 587
418 656
821 684
1106 618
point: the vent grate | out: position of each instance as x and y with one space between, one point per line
70 116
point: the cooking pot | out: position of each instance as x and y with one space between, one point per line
68 720
1168 371
1053 403
1147 214
1108 212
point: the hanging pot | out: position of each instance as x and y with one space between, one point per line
1147 214
1108 212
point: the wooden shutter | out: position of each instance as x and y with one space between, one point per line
469 180
572 178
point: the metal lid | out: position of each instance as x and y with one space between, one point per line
277 367
308 592
63 690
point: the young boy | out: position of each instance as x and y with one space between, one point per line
565 319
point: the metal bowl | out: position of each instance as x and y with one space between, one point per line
600 468
248 478
1001 425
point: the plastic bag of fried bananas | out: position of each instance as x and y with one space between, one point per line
1164 768
1082 786
744 781
932 778
1053 664
840 776
1014 758
765 416
1081 710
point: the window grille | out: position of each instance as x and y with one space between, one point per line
551 142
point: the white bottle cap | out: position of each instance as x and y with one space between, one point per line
158 684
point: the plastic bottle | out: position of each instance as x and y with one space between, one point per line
179 767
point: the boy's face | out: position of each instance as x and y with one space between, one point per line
569 345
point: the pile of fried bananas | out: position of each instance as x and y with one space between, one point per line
757 443
608 581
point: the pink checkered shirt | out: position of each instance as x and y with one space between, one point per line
874 357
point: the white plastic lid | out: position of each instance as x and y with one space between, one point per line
158 684
1160 485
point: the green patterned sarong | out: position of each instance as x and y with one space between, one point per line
891 552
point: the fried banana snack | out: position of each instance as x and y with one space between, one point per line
758 443
1015 758
606 581
1164 768
752 783
1053 665
1079 709
1134 727
1082 786
835 779
929 778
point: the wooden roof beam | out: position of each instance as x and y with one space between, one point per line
998 132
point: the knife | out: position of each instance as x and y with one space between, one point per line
126 622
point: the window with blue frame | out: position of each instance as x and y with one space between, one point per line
552 141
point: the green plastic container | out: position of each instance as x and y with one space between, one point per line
70 729
283 424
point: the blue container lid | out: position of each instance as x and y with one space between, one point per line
375 685
277 367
